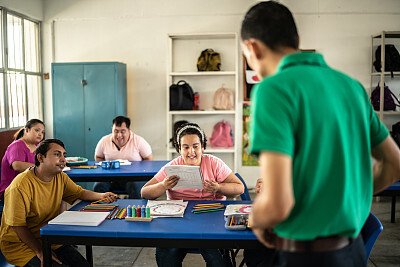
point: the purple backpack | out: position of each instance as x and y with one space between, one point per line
389 97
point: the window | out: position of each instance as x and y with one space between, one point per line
20 70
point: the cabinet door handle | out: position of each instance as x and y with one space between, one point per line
89 129
83 82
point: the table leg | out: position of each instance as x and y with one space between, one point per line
393 213
47 262
89 255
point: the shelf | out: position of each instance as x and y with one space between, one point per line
388 73
201 112
391 112
210 150
388 34
204 73
195 36
183 50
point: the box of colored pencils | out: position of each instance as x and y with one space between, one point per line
236 222
208 207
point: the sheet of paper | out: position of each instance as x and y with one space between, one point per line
234 209
80 218
167 208
189 176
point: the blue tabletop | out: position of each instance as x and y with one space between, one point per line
137 168
208 225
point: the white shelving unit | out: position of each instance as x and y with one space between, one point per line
184 50
384 77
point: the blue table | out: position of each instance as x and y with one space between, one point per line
204 230
138 171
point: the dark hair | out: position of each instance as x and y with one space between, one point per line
20 133
44 146
117 121
190 128
271 23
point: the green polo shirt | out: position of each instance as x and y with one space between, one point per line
323 119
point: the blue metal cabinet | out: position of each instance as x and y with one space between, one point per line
86 98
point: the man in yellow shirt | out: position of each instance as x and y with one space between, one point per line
33 199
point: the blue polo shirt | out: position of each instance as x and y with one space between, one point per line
323 119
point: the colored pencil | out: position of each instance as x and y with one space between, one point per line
207 209
83 167
207 204
202 211
99 200
112 213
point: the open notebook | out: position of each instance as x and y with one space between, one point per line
80 218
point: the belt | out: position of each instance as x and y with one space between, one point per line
321 244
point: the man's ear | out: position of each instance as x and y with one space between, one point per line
40 157
255 48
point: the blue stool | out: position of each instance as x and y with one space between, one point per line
392 191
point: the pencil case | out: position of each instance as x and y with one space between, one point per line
236 222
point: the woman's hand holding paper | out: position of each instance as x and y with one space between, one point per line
170 181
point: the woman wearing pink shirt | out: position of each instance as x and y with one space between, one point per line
218 182
20 154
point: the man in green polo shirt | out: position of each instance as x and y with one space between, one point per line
314 130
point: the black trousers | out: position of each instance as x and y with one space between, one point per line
353 255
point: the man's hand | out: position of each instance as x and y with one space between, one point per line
109 197
259 185
210 186
170 181
265 236
53 257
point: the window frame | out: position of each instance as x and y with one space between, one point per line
5 70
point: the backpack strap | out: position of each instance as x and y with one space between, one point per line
394 96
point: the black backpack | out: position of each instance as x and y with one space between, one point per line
181 96
395 133
392 59
176 126
389 98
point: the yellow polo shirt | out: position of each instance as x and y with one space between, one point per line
32 202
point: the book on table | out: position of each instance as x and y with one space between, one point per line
80 218
167 208
189 176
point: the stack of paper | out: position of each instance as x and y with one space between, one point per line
80 218
189 176
167 208
234 209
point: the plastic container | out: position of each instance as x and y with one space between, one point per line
236 222
115 164
106 164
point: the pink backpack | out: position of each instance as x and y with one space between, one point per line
222 135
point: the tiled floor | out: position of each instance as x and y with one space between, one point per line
386 252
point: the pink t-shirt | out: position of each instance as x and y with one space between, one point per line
16 151
134 150
211 167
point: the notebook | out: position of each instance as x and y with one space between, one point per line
80 218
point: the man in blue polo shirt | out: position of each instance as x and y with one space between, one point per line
314 130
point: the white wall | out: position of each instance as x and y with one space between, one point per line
134 32
30 8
